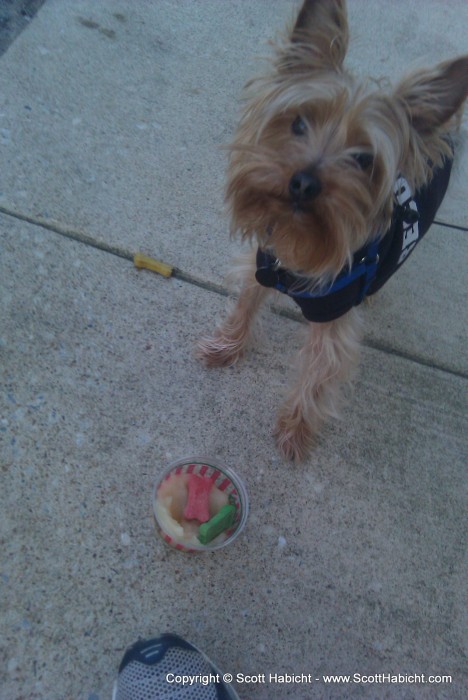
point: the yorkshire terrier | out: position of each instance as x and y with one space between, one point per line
335 183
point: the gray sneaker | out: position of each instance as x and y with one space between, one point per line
169 667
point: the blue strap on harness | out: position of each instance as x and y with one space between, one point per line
365 268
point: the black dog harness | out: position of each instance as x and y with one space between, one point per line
373 264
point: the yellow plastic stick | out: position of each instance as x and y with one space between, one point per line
140 260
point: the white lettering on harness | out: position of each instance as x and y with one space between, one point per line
410 231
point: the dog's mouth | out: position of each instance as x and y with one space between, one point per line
301 208
288 203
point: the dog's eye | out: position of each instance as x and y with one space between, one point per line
299 127
364 160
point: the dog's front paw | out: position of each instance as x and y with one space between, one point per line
218 351
294 436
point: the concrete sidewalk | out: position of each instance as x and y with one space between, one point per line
111 117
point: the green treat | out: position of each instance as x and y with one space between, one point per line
218 523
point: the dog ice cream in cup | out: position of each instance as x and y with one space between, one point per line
199 505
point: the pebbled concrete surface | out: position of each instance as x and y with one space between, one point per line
352 563
110 118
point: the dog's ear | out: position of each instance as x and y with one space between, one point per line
319 38
432 97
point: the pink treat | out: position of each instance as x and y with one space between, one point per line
198 501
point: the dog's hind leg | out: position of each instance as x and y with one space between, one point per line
327 361
229 341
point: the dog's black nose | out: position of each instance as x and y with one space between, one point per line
304 186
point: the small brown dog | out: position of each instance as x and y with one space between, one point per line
335 183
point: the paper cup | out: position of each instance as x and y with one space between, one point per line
226 480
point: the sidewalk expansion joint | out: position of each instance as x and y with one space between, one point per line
126 254
454 226
93 242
